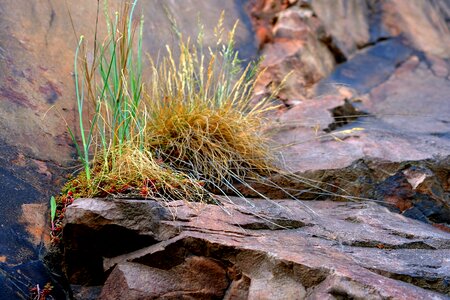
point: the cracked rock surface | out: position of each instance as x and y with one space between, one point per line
256 249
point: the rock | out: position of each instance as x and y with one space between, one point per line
37 53
424 23
86 292
280 249
347 23
290 39
337 149
439 66
309 61
292 24
18 278
115 228
299 50
196 278
384 57
324 35
396 93
368 146
34 217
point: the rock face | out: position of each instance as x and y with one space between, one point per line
258 249
36 60
308 38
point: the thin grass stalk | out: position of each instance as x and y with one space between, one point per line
84 155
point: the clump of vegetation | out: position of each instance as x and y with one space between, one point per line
188 129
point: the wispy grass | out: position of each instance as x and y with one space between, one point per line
191 128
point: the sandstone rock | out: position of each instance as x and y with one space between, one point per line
115 228
290 39
405 118
309 60
86 292
308 147
279 249
292 23
36 60
337 37
34 217
401 119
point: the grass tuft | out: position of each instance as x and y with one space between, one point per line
191 129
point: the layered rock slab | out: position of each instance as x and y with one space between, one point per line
277 249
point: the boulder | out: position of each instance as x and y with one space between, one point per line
278 249
196 278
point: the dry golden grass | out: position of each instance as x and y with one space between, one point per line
202 120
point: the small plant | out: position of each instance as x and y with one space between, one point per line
36 293
52 211
58 209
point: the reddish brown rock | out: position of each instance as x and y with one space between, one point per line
37 102
331 249
36 61
347 23
396 124
407 120
309 60
290 40
439 66
423 22
196 278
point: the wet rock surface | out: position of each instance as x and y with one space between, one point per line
255 249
